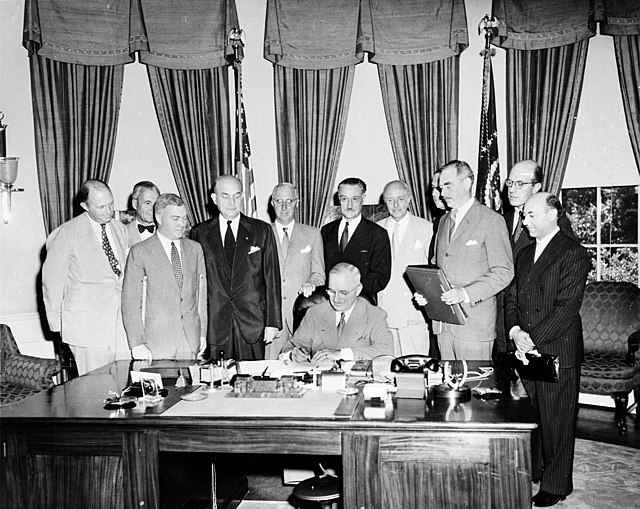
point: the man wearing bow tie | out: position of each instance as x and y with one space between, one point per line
301 259
143 197
82 280
243 276
164 293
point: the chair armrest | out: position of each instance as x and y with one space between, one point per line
31 372
634 344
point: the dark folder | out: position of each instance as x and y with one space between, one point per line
431 282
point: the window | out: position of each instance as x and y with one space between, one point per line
605 219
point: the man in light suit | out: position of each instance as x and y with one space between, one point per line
346 327
82 280
410 238
543 315
164 294
301 259
356 240
243 277
473 250
143 197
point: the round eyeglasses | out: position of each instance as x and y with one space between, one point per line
517 183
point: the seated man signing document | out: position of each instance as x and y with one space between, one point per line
346 327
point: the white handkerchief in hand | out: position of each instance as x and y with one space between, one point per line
254 249
472 242
522 357
417 244
306 249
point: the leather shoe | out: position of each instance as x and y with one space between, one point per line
546 499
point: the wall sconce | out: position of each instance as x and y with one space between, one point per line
8 176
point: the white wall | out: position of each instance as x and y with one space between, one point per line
601 150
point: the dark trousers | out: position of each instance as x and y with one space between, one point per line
556 406
237 348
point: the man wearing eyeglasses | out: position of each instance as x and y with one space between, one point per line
525 180
356 240
346 327
301 259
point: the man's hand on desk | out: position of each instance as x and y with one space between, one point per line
332 355
141 353
300 355
270 334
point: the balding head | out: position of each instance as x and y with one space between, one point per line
96 198
227 196
541 212
397 197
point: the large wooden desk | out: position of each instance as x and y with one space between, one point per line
62 449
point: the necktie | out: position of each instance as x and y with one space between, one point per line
395 238
229 245
344 239
452 222
113 261
285 242
341 324
177 266
148 227
518 230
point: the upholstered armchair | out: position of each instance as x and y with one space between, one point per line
22 375
611 321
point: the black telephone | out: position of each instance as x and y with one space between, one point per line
414 364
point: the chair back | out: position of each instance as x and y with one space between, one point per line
8 345
610 313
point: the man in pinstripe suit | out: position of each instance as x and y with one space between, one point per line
542 312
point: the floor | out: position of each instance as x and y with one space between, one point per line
597 423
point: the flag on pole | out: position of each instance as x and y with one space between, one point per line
243 168
488 181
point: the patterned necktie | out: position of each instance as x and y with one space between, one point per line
113 261
177 266
340 328
285 242
344 239
148 227
229 245
452 222
395 238
518 230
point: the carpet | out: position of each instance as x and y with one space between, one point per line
604 476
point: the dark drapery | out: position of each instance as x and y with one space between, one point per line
311 107
543 94
421 106
75 115
193 111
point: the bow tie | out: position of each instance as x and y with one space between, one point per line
149 228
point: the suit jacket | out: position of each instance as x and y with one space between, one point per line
154 311
366 332
397 298
81 292
546 298
368 249
478 258
133 233
304 264
249 297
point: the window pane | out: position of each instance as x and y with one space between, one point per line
619 264
593 274
619 215
581 207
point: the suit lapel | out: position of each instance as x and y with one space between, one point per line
90 239
356 238
188 260
214 238
296 243
243 243
279 246
162 262
547 256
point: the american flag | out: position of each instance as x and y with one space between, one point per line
488 187
244 171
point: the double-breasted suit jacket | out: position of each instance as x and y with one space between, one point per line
155 312
366 331
247 299
82 294
368 249
477 258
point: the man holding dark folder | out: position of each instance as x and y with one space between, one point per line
542 314
473 250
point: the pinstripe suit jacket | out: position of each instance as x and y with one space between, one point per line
546 297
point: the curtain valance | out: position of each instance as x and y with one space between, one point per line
167 33
619 17
542 24
335 33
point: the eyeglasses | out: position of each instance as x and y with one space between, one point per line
342 293
517 183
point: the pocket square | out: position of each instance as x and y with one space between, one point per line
254 249
306 249
471 242
417 244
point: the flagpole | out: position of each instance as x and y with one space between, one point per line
235 40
